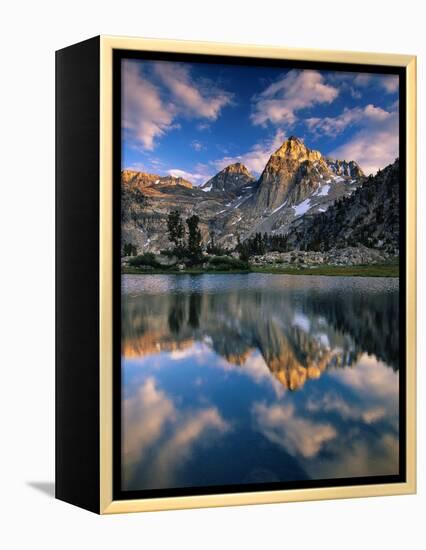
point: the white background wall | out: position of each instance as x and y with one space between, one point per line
30 31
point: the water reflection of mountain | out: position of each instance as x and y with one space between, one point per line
371 319
299 334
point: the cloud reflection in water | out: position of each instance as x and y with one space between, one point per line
264 379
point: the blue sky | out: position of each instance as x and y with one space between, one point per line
193 119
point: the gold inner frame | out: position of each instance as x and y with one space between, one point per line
107 504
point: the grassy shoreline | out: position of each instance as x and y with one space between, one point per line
378 270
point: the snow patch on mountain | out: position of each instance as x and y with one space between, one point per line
302 208
322 191
279 207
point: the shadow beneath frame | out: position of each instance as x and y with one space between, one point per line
46 487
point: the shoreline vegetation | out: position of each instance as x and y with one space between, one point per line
257 254
377 270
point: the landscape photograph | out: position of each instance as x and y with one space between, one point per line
260 254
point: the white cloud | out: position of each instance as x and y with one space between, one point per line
197 145
256 158
388 82
255 367
372 147
362 79
202 126
351 456
372 391
144 417
375 143
196 99
332 126
144 113
357 427
150 109
198 349
334 403
152 422
299 436
296 90
372 379
193 177
200 425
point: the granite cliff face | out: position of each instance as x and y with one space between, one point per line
290 168
298 179
297 188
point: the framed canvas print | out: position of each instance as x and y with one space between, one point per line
235 274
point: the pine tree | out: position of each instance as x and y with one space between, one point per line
129 249
176 230
211 247
195 250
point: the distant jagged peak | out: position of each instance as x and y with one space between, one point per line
343 168
129 176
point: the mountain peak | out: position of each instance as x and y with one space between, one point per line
236 168
294 148
230 179
295 139
294 172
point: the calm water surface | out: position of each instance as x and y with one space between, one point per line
234 379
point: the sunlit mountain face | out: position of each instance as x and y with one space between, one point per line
256 378
259 149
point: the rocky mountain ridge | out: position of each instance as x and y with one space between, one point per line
369 217
296 184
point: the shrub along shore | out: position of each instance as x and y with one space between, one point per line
158 264
258 254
